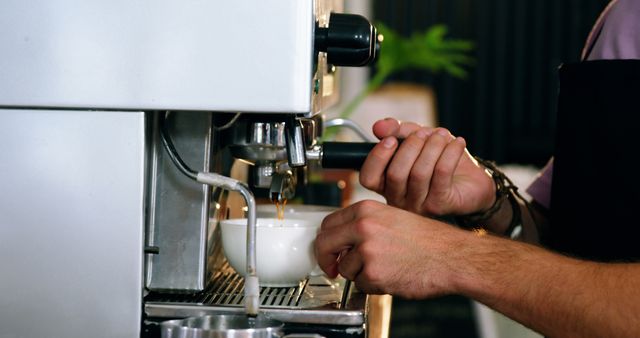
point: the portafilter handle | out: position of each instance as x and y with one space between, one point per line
342 155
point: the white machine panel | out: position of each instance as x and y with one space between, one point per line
71 223
240 55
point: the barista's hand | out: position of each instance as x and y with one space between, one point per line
386 250
431 173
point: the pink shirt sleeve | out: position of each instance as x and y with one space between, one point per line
540 188
616 34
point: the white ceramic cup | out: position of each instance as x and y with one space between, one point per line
284 249
312 213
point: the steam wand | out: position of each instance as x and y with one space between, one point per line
251 285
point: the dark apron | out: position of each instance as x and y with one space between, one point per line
595 201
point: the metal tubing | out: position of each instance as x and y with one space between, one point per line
252 289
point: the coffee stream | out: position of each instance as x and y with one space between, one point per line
280 209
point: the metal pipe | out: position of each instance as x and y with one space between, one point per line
350 124
251 285
252 288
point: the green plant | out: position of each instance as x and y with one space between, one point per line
428 50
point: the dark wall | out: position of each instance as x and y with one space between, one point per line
506 107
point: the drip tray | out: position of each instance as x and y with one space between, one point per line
314 301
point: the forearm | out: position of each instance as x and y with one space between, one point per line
552 294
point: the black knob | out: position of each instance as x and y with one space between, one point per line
350 40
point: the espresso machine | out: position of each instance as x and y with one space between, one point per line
120 123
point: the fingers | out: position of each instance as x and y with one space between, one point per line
392 127
420 168
347 215
338 218
340 232
447 164
373 168
397 174
350 264
422 171
404 176
330 242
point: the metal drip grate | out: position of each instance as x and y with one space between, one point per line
314 301
227 289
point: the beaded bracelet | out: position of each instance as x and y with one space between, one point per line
505 190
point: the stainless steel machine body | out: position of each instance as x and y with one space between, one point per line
246 55
71 223
99 232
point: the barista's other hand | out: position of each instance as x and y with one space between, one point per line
430 173
386 250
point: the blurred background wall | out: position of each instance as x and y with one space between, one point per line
506 107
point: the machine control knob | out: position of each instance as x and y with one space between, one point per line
349 40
